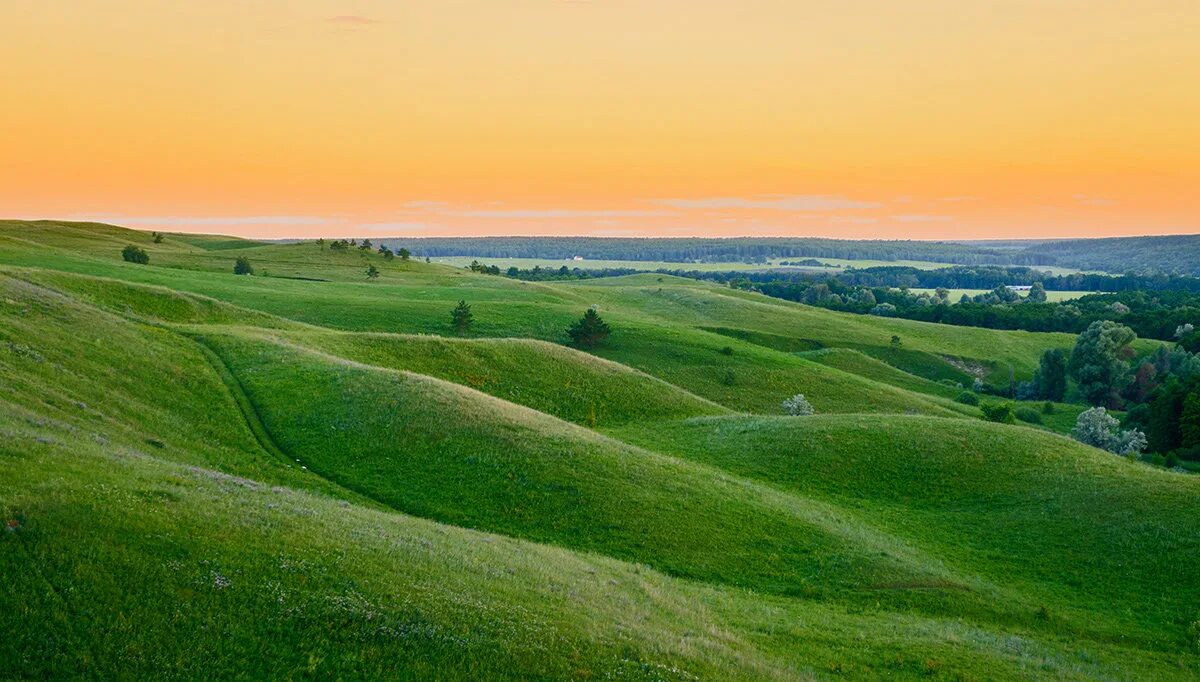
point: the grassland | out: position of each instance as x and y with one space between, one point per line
207 475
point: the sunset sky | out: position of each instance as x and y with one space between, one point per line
870 119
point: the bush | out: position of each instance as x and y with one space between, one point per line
729 378
242 266
1047 407
798 406
1099 429
1028 415
727 350
967 398
133 254
1001 413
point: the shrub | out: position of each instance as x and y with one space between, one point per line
967 398
1001 413
1047 407
372 272
1099 429
1028 415
133 254
727 350
798 406
242 266
729 378
588 330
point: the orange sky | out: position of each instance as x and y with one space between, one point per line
925 119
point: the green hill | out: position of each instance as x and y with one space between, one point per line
299 474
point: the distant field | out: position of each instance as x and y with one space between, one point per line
1051 296
835 264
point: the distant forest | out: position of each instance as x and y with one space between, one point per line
1142 255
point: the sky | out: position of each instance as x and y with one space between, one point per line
926 119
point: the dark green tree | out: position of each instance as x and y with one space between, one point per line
242 266
1100 361
461 318
372 272
589 330
1037 293
158 237
405 254
1051 375
134 254
1189 421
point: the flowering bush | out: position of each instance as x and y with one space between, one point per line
797 406
1099 429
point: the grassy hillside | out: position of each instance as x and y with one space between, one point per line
207 475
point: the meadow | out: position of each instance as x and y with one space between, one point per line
305 472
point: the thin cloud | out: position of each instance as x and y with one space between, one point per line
1088 200
394 227
215 221
424 203
800 202
914 218
352 20
560 213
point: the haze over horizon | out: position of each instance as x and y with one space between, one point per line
934 120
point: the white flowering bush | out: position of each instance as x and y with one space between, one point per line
1096 427
797 406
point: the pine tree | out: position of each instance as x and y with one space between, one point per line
588 330
461 318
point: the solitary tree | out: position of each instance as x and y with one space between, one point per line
134 254
588 330
365 245
1100 361
158 237
1051 375
405 254
242 266
372 272
896 341
461 318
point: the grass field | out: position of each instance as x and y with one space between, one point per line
304 473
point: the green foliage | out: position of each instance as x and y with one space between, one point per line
461 318
1028 415
242 266
1051 375
405 255
998 412
1048 407
158 237
135 254
967 398
589 330
372 272
1100 361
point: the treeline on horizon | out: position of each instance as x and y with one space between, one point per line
1153 306
1141 255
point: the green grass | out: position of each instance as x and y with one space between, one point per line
206 475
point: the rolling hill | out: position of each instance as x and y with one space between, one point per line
303 474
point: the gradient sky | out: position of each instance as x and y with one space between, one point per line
923 119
